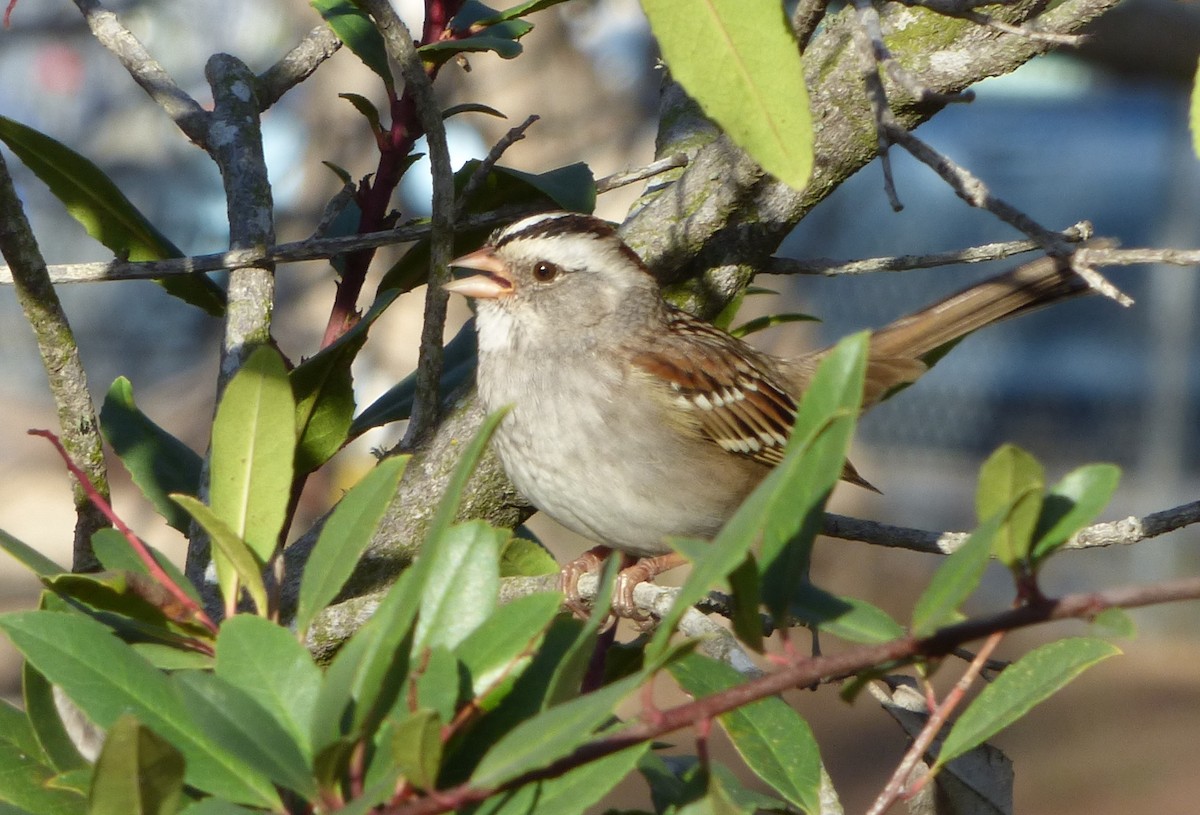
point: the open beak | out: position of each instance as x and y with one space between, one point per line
493 281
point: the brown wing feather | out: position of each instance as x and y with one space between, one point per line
737 395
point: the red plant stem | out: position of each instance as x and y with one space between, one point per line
806 671
937 717
375 194
152 566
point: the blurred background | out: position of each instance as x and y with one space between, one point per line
1099 135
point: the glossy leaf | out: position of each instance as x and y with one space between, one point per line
571 667
93 200
1030 680
245 729
471 107
366 108
462 585
354 28
29 557
345 536
158 463
786 510
24 785
442 50
773 740
267 662
710 562
244 568
1114 622
955 580
416 747
253 444
361 683
439 682
106 678
523 557
572 793
1010 484
850 618
551 735
324 391
16 729
137 773
115 553
519 10
769 321
1073 503
741 63
52 736
496 652
132 595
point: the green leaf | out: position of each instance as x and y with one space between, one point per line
519 10
551 735
1195 112
741 63
56 744
571 793
361 683
132 595
16 729
710 562
523 557
116 554
571 187
245 730
745 600
269 663
345 536
496 652
366 108
462 586
106 678
955 580
572 666
773 740
232 550
1114 622
769 321
415 748
253 444
24 785
171 658
108 216
1010 485
850 618
358 32
29 557
471 107
442 50
215 806
786 510
1019 687
137 773
1072 504
324 391
158 463
439 682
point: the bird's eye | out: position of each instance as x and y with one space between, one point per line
544 271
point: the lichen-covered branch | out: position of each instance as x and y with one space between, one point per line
77 421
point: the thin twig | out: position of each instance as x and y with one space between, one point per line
146 71
400 46
627 177
1110 533
976 193
484 169
60 359
898 263
869 44
933 725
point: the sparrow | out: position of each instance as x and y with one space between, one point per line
631 421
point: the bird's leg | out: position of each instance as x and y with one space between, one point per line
644 570
568 578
